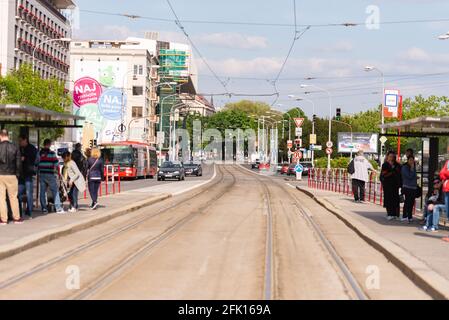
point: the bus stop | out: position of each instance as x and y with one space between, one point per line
430 130
30 120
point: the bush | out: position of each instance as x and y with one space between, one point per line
340 163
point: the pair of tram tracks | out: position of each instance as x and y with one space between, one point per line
136 222
269 283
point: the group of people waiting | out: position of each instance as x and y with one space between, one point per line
20 164
400 185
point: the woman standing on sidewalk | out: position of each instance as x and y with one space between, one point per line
73 179
95 175
444 176
391 182
409 188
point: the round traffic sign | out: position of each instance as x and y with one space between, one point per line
121 128
297 155
329 144
329 151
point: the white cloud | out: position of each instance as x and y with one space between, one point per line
232 40
339 46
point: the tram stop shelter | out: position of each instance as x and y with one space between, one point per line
29 120
430 130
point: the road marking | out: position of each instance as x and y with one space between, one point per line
291 186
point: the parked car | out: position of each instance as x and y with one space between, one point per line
291 169
171 170
193 169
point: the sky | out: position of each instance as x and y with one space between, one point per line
247 58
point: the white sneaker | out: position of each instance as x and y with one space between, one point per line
424 228
61 211
72 210
433 229
389 218
404 219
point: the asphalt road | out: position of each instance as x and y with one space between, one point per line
242 236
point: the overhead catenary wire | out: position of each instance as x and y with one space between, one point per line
183 30
263 24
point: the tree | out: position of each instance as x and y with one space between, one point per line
249 107
23 86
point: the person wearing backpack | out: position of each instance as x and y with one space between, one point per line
359 167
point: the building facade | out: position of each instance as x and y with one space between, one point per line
114 87
34 28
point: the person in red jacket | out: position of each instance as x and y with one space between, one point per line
444 176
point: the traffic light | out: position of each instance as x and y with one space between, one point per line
314 118
338 114
91 144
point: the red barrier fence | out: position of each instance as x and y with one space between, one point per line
339 180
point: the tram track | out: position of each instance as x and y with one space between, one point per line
149 244
270 274
103 238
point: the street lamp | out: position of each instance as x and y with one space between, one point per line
44 42
330 116
369 69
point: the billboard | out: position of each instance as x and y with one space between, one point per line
354 142
98 96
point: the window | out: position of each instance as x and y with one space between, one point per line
138 69
137 112
137 91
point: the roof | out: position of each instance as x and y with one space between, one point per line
15 113
429 125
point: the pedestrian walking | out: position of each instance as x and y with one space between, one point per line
47 168
26 180
409 188
10 170
95 174
73 179
361 166
80 160
391 182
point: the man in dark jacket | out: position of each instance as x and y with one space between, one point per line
10 167
29 155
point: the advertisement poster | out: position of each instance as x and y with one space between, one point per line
98 96
358 141
391 103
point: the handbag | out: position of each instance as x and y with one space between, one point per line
418 192
401 198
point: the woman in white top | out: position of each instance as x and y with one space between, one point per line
73 179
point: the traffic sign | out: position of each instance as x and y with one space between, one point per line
329 151
312 139
289 144
329 144
299 122
289 153
317 148
299 168
383 139
121 128
297 155
298 132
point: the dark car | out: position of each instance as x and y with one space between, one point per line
306 165
255 165
193 169
171 170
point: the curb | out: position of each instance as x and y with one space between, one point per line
35 240
421 274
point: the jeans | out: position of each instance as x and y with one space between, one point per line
433 218
73 196
409 203
93 190
50 181
26 188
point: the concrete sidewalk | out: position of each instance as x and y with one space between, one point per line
43 228
421 255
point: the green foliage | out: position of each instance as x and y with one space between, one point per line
249 107
23 86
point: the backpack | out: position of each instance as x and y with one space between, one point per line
351 167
